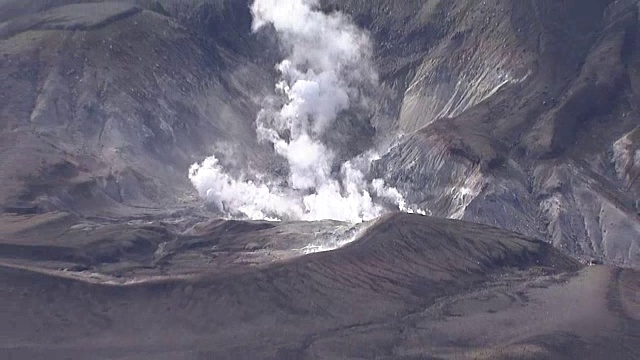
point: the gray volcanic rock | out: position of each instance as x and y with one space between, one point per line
70 17
159 243
519 115
108 104
410 286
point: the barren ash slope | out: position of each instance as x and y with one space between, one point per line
521 115
118 240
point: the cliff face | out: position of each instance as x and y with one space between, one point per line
109 103
519 115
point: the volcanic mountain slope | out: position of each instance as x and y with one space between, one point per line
409 287
518 114
108 104
521 115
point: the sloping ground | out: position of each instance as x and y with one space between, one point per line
107 104
70 17
521 115
411 286
510 121
157 243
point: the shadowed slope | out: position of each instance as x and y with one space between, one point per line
518 114
106 105
363 300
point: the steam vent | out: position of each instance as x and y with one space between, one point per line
319 179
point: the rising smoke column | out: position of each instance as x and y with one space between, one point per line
328 62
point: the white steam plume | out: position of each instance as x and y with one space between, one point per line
329 61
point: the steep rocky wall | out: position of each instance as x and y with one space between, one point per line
550 154
122 99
